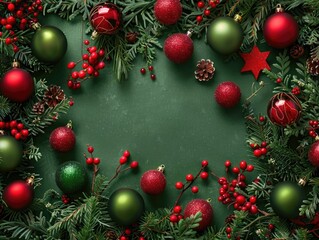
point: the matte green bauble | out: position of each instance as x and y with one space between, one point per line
126 206
70 177
10 153
286 199
49 44
225 35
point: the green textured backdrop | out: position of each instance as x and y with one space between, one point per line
173 120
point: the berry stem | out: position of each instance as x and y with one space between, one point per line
266 215
261 85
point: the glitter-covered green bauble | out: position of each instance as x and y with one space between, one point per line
49 44
71 177
125 206
10 153
286 199
225 35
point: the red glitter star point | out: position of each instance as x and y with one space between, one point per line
255 61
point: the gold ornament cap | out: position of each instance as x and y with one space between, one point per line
161 168
238 17
279 8
30 180
15 64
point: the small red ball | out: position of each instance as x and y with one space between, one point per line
195 189
62 139
168 12
153 182
17 85
89 161
204 163
134 164
123 160
200 205
177 209
96 161
126 153
189 177
227 94
227 163
243 165
179 185
178 47
313 154
204 175
18 195
250 168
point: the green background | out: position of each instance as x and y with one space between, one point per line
173 120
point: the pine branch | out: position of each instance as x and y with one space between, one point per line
309 205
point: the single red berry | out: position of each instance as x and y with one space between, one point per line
96 161
204 163
250 168
207 12
89 161
123 160
150 68
242 177
235 170
252 199
257 153
85 56
90 149
279 80
228 235
173 218
71 103
261 118
212 4
240 199
134 164
101 53
189 177
11 20
177 209
180 216
263 151
20 126
204 175
126 153
228 230
220 198
128 231
75 75
222 191
253 209
13 124
71 65
222 180
263 144
82 74
234 182
86 42
14 132
195 189
315 123
179 185
243 165
143 70
248 205
227 163
153 76
92 50
11 7
199 18
25 133
123 238
271 226
242 184
141 238
18 136
200 4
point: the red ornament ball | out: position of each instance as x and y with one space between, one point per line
281 30
200 205
284 109
153 182
17 85
18 195
62 139
168 12
313 154
106 18
178 47
227 94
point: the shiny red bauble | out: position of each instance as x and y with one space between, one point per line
284 109
153 182
203 206
106 18
178 47
168 12
281 30
62 139
17 85
18 195
227 94
313 154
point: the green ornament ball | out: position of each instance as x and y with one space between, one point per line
10 153
71 177
225 35
125 206
49 44
286 199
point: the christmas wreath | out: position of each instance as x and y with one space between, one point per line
283 148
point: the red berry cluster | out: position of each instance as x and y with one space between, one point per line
295 90
65 199
20 15
261 150
314 125
228 193
16 129
124 159
91 160
92 63
151 69
127 234
190 179
207 8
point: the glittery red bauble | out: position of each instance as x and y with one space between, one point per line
106 18
168 12
178 47
18 195
281 30
153 182
313 154
17 85
284 109
200 205
62 139
227 94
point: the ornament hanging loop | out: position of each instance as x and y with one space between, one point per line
161 168
15 64
279 8
69 124
208 200
190 33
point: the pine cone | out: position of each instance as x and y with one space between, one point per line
313 66
296 51
111 235
53 96
38 108
204 70
131 37
230 219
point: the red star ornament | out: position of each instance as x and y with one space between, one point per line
255 61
